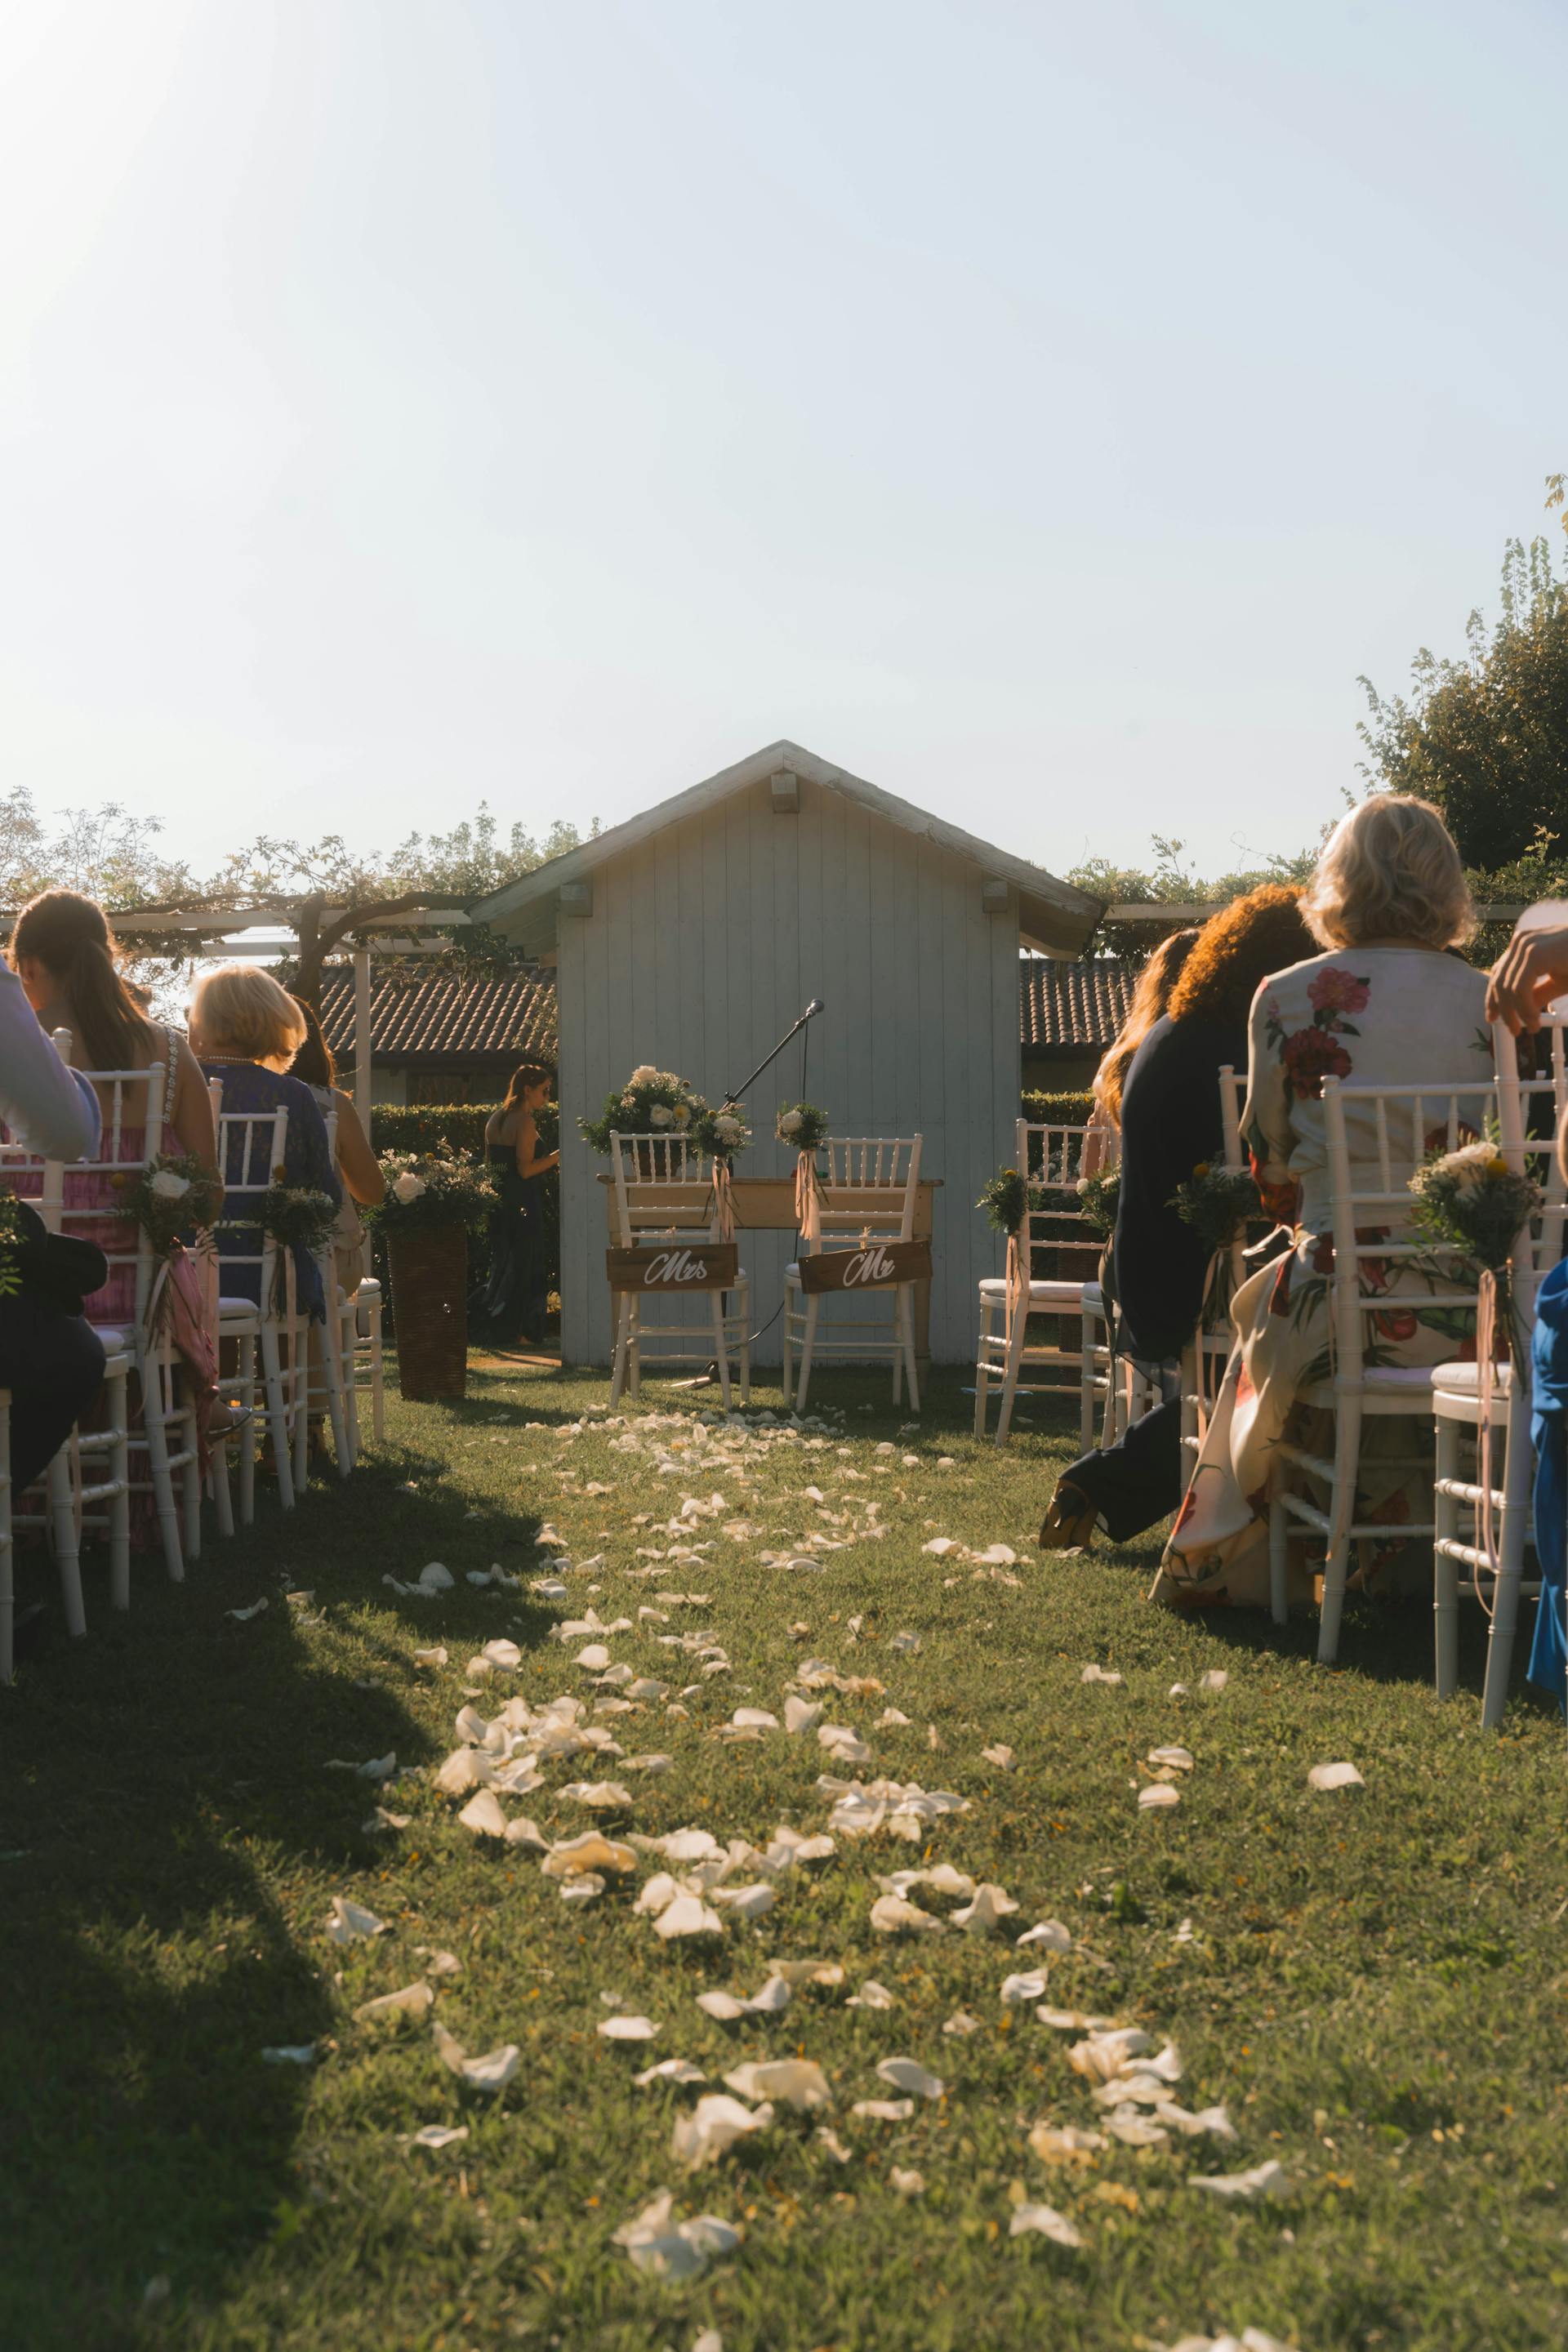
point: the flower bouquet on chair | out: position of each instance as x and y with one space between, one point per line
172 1196
804 1129
652 1102
1472 1203
1218 1203
434 1200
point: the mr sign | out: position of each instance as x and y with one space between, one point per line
876 1265
683 1266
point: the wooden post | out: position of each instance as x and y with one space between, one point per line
361 1036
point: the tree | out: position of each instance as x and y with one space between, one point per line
1170 882
106 853
1486 737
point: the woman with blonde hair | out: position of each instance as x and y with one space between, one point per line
245 1030
1389 1003
1168 1109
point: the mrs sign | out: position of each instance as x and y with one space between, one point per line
686 1265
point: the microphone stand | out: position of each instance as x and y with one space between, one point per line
811 1010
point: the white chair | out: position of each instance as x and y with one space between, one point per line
251 1145
1050 1161
362 1354
869 1194
1400 1124
326 1366
1463 1568
664 1190
168 1432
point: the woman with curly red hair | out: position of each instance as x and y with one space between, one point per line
1389 1003
1169 1121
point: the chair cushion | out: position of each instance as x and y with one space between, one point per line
1464 1379
1093 1299
116 1336
1041 1294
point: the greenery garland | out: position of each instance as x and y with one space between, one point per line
1216 1202
1006 1199
1097 1199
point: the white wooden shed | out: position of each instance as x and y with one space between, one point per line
693 935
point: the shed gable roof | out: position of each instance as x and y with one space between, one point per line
1048 906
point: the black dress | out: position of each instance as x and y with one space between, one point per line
1170 1123
513 1304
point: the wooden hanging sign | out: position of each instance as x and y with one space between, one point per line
878 1266
675 1265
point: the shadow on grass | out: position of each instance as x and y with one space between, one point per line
155 1777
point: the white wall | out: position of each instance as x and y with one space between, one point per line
705 943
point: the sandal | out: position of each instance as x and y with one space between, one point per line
1070 1522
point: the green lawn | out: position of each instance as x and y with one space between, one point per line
1373 1982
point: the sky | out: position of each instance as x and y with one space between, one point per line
1045 412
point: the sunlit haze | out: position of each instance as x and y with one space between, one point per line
1043 412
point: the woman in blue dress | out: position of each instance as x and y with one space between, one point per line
244 1030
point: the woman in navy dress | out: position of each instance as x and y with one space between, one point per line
244 1030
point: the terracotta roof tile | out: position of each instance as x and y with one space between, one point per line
444 1019
1073 1005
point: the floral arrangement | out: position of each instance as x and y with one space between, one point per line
1216 1202
13 1233
433 1188
802 1126
1098 1199
721 1133
1006 1200
652 1102
173 1194
1471 1201
295 1215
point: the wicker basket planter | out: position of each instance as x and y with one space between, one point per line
429 1269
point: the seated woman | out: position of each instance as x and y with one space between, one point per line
1150 1002
1170 1120
245 1029
513 1302
1388 1005
67 959
358 1167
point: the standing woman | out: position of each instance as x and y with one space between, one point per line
515 1302
358 1167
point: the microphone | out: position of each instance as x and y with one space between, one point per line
814 1007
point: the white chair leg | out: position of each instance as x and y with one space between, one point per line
1086 1383
616 1365
247 1439
1017 1334
377 1384
117 1459
299 1395
277 1414
982 1366
64 1539
191 1481
907 1321
1445 1569
223 1498
1342 1510
634 1343
746 1345
332 1361
808 1341
1518 1474
722 1339
786 1355
155 1430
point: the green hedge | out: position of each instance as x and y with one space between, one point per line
1057 1110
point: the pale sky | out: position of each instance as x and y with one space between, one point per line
1044 411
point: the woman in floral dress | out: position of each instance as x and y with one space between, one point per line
1388 1004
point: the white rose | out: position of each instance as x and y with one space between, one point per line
661 1115
408 1187
727 1130
1472 1165
643 1076
167 1186
791 1123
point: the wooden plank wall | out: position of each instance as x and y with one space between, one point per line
703 946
